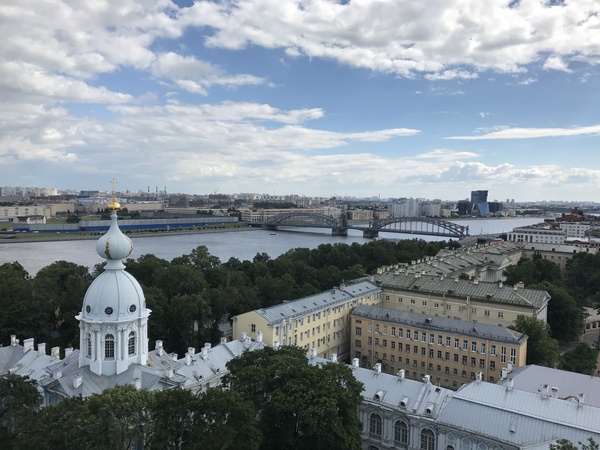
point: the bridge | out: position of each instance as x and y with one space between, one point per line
340 227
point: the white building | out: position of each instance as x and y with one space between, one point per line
538 234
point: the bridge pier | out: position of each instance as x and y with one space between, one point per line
370 233
268 226
339 231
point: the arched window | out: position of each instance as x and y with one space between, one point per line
400 432
88 338
427 440
109 346
375 425
131 344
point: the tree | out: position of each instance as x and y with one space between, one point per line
224 420
565 444
171 420
18 397
298 405
119 417
582 359
541 348
565 317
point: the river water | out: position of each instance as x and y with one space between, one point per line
243 245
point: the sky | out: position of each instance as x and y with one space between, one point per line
396 98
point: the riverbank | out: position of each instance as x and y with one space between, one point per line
33 238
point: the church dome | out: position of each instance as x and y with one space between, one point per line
114 296
114 245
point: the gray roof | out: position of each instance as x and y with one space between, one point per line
458 288
535 379
314 303
518 417
471 329
391 391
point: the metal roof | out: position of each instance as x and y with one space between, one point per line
536 379
442 324
518 417
459 288
315 303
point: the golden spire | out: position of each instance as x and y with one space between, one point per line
114 204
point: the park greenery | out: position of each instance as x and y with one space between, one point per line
192 294
270 399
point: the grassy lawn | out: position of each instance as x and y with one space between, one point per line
6 225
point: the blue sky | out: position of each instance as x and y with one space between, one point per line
396 98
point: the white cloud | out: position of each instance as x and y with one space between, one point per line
531 133
556 63
194 75
447 39
528 81
484 114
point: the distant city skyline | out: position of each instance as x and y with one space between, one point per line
320 98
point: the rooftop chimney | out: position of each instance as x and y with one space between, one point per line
77 381
377 368
55 352
188 359
581 398
334 357
159 347
223 340
478 377
42 348
27 345
137 383
170 372
68 351
509 386
313 353
401 374
427 379
355 363
13 340
243 336
554 391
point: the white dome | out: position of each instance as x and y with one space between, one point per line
114 296
114 245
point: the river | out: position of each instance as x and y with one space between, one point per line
243 245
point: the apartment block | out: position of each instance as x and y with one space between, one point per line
320 322
450 351
457 298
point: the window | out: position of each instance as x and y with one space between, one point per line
253 328
408 349
375 425
89 345
436 305
385 329
423 351
449 307
482 363
456 343
439 354
473 346
369 340
493 350
109 346
400 333
376 341
358 331
424 303
502 354
385 342
447 341
456 357
400 432
393 331
431 338
423 337
474 311
393 344
377 328
482 348
486 312
357 343
465 344
473 362
439 340
431 353
447 356
131 344
464 359
500 314
412 301
427 440
513 355
492 365
415 335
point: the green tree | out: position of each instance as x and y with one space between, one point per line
565 317
582 359
541 348
298 405
18 399
119 417
171 420
565 444
224 420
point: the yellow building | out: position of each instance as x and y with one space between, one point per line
450 351
319 322
455 298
